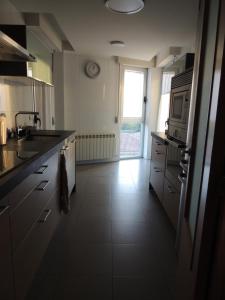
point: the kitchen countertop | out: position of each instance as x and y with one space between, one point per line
160 135
167 140
45 143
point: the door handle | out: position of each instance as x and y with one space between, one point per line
184 166
186 151
182 178
3 209
170 190
47 213
65 148
42 186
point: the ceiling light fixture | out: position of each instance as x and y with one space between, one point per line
126 7
117 43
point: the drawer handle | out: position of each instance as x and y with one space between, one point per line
47 213
3 209
42 186
65 148
157 152
158 171
41 170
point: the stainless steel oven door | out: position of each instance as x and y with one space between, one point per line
173 168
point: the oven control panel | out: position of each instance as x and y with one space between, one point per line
177 133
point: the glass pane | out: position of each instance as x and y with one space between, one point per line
177 106
133 94
130 139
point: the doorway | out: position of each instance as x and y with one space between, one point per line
132 112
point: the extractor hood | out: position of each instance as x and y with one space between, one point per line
10 50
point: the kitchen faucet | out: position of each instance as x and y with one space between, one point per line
35 121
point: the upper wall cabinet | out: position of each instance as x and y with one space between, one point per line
41 68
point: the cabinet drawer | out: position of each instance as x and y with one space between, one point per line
158 151
45 170
171 202
28 256
23 217
156 179
6 273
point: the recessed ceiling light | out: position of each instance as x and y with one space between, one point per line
125 6
117 43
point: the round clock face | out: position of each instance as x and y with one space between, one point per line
92 69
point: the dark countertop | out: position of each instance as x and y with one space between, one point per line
45 143
160 136
167 140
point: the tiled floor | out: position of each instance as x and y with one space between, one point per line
116 244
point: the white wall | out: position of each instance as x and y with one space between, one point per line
58 79
152 108
90 105
13 98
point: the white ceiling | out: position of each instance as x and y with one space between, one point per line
89 26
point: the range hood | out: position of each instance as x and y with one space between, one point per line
10 50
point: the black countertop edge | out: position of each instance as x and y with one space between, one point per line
11 179
162 137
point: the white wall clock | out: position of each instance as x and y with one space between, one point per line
92 69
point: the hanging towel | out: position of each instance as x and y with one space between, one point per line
64 192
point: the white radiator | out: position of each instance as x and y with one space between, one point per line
95 147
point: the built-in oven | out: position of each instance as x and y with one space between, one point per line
173 158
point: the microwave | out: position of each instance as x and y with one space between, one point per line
179 113
179 106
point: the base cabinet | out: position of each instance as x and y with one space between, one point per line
33 223
167 192
28 256
158 159
156 179
27 227
171 200
6 273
